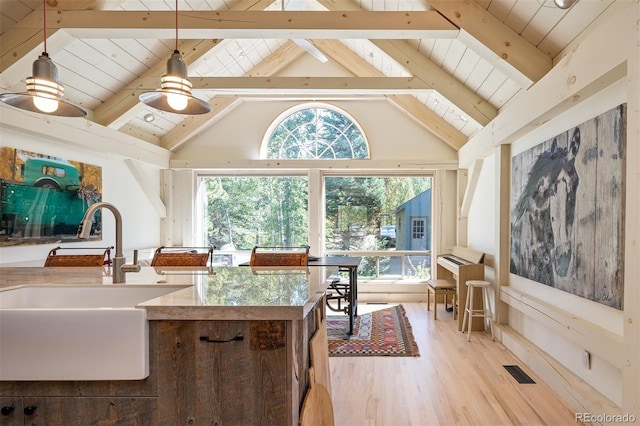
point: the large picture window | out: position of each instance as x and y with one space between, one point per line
243 211
381 218
369 214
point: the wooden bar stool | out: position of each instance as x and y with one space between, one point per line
279 256
101 258
471 311
444 288
182 256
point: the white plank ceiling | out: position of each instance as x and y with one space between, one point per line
450 64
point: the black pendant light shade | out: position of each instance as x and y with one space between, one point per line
44 92
175 91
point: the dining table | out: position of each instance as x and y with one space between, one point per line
348 265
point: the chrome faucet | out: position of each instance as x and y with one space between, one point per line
84 231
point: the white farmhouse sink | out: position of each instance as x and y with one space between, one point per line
76 332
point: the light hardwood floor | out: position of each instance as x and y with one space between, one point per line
453 382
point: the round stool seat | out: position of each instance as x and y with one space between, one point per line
478 283
471 311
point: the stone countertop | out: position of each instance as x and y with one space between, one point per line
219 293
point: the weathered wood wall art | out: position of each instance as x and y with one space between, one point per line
568 194
43 198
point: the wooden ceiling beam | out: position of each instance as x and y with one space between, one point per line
470 103
112 111
118 109
22 38
81 4
429 120
425 117
221 105
192 125
237 24
297 85
438 79
495 42
13 76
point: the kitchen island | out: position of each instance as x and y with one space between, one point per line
232 347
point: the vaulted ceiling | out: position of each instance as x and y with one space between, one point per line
449 64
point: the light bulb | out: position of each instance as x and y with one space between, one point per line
176 101
45 104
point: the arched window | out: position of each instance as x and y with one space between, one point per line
313 132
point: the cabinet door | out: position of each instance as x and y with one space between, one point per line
88 411
249 375
207 377
10 411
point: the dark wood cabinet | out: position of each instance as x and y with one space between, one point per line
213 379
201 372
78 411
233 372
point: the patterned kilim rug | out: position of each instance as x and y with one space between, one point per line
385 332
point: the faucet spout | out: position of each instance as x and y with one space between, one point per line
85 231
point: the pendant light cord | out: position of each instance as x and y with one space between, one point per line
176 24
44 26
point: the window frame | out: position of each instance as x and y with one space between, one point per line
200 233
377 173
316 204
264 145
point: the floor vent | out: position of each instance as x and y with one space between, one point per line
518 374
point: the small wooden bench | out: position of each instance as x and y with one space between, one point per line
444 288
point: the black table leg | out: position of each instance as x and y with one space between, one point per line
352 306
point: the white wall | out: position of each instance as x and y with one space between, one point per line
141 220
604 376
480 221
391 134
593 77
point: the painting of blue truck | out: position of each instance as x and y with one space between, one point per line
43 198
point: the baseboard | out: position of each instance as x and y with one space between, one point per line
393 291
579 395
391 297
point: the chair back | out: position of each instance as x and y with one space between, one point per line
279 256
54 259
182 256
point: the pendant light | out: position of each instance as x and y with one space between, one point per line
564 4
174 94
44 92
